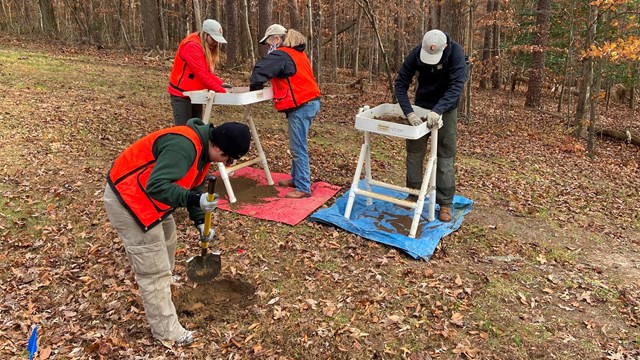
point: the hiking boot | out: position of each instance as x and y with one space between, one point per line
186 339
286 183
297 194
445 214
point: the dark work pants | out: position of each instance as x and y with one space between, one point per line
184 110
445 176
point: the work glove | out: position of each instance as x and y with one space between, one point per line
433 119
205 238
414 119
207 205
227 85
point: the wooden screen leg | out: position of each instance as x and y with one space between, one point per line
256 141
227 184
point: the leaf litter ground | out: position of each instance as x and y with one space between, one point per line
546 266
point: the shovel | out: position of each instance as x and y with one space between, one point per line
206 266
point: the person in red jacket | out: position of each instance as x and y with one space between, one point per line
194 69
295 93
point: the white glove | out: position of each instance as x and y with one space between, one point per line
205 238
207 205
414 119
433 119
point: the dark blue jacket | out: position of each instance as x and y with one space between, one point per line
276 64
439 86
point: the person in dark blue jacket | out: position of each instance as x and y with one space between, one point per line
441 74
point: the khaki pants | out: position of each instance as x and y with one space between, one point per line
152 258
445 176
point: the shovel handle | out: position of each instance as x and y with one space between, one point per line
211 188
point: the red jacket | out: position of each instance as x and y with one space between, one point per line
190 71
295 90
130 171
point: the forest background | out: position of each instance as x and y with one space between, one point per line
545 266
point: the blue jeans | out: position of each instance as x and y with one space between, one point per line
300 121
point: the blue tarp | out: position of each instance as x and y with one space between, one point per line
389 224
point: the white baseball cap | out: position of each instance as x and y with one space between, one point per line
214 29
275 29
433 44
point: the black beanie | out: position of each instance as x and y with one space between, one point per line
232 138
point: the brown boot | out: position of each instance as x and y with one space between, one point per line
445 214
296 194
286 183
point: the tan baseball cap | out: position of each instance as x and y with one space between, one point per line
214 29
275 29
433 44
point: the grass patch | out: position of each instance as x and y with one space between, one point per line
560 255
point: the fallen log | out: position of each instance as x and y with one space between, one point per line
625 136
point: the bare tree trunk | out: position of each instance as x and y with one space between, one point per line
316 49
568 61
496 74
197 13
334 45
84 30
634 91
587 74
593 107
434 14
356 56
151 23
310 38
486 48
265 19
536 76
6 11
123 29
163 26
247 31
371 57
451 15
219 8
49 25
397 40
368 10
466 95
232 32
294 16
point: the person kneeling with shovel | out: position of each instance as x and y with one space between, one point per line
163 171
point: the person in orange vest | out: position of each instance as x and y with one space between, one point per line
157 174
194 69
295 93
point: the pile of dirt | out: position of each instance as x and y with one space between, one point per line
247 191
216 300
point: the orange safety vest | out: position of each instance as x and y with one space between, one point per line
130 172
182 79
291 92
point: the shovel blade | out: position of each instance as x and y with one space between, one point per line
204 268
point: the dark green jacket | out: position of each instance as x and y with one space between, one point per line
174 155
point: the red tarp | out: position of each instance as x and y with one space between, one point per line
268 202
